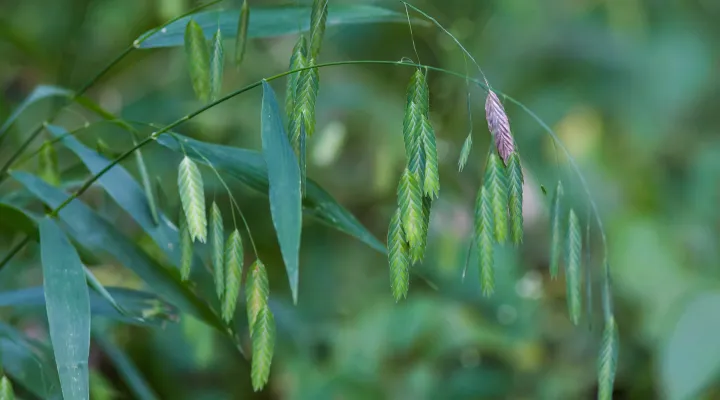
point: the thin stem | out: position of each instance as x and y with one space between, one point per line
229 96
91 82
14 250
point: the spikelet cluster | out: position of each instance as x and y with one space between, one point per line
498 209
217 237
303 86
197 52
205 61
192 197
419 185
262 324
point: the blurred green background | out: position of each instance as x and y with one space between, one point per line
631 88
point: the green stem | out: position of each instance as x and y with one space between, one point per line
92 82
229 96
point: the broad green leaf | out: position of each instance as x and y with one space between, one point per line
141 308
271 22
127 193
197 53
124 365
29 363
284 180
100 236
68 309
690 357
41 92
248 167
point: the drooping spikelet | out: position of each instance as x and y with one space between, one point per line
499 125
398 258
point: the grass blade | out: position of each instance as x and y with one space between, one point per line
197 53
127 193
263 345
29 362
573 268
217 63
257 291
192 196
233 274
266 22
557 234
68 309
398 258
127 369
249 167
100 236
515 191
145 178
138 308
217 240
242 33
284 182
39 93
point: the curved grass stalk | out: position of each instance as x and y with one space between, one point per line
84 88
86 185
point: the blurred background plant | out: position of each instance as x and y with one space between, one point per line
627 85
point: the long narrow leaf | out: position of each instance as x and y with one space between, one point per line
127 193
141 308
98 235
41 92
128 371
29 362
68 309
249 167
284 181
271 22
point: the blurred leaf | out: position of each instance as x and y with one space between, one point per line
68 309
128 371
248 167
690 359
270 22
29 363
41 92
284 181
12 219
95 233
126 192
147 307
